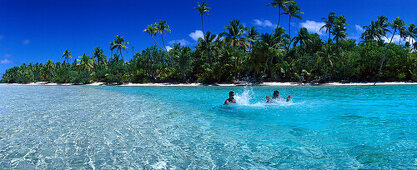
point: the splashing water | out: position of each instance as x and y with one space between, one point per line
247 98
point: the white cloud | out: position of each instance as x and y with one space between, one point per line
397 39
359 29
264 23
6 61
168 48
26 42
196 35
182 42
314 27
410 40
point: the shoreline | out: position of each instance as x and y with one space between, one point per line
265 84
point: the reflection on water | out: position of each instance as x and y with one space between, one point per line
188 127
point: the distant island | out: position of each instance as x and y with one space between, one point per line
242 53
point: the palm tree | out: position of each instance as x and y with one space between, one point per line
269 41
152 30
326 58
415 45
376 30
120 44
302 37
292 11
403 34
67 55
330 22
382 26
234 37
371 33
412 33
252 36
163 27
86 63
204 10
339 30
98 53
50 67
206 44
281 4
397 24
280 38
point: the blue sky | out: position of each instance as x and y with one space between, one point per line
35 31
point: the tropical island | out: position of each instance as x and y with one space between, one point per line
243 54
229 98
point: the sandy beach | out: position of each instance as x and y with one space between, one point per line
271 84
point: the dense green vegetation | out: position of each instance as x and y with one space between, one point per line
241 53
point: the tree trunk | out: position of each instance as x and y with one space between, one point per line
120 51
270 66
266 64
202 24
163 43
204 38
329 40
382 61
124 63
156 42
53 75
279 16
289 32
234 49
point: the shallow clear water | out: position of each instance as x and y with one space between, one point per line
188 127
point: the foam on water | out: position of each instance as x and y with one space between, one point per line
244 99
248 98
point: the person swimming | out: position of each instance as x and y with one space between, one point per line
268 99
288 98
231 98
276 96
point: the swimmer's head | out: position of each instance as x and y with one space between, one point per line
276 93
231 94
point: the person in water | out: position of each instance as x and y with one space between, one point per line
268 99
288 98
276 96
231 98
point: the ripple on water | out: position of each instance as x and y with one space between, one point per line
159 128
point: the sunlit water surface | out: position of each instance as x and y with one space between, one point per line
84 127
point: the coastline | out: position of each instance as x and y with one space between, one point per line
266 84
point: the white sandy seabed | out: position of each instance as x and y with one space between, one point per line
220 85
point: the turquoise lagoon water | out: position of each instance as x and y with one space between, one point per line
84 127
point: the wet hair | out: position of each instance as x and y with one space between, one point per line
231 92
276 91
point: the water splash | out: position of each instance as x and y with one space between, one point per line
247 98
244 99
